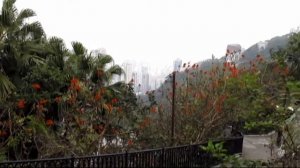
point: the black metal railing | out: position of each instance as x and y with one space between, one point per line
180 156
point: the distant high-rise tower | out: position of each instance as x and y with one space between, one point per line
145 79
177 64
135 81
128 69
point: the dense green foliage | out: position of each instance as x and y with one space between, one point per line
55 101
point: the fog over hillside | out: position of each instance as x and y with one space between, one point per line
261 48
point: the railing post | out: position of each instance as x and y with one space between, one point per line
173 108
190 158
98 161
72 161
163 157
126 159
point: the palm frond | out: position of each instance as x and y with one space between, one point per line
34 47
24 14
58 51
37 125
7 18
86 63
8 3
117 88
8 13
27 60
34 59
102 60
118 85
78 48
6 86
35 30
57 46
115 70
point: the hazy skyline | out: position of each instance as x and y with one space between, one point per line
156 32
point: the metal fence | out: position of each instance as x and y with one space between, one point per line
181 156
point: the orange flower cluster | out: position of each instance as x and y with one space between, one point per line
40 105
21 104
80 122
97 96
153 109
234 71
36 86
145 123
220 103
227 64
109 107
49 122
281 70
130 142
114 101
120 109
232 68
75 84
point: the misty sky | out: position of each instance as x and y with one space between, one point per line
159 31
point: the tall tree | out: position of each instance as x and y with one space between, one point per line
293 54
19 45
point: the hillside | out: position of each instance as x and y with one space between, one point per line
261 48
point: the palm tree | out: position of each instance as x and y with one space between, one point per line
293 54
98 68
19 45
79 61
104 70
56 52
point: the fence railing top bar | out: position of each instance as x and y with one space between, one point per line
116 154
226 139
36 160
145 150
205 143
101 155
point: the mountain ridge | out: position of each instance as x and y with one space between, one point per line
259 48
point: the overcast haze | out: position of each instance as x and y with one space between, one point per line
159 31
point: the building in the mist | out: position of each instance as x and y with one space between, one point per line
233 52
128 69
233 48
145 80
136 82
177 64
262 45
157 81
